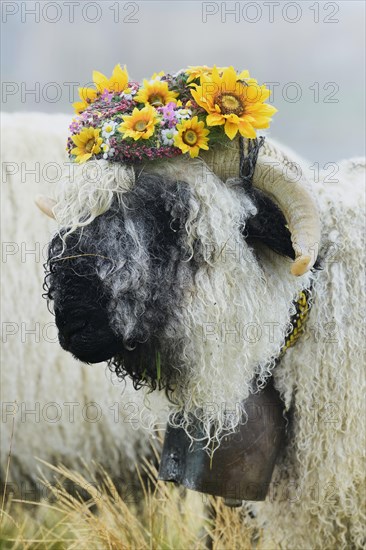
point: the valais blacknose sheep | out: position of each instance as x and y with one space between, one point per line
63 411
183 278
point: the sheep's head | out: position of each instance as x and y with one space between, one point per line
172 275
117 283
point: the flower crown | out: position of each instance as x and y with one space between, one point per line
168 115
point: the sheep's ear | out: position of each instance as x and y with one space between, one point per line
268 226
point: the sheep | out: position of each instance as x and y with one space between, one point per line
62 411
318 494
149 241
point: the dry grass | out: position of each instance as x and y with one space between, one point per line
96 517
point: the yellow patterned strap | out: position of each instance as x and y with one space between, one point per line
298 320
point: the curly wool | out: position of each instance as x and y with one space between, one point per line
132 256
316 498
317 495
210 353
52 398
88 190
226 347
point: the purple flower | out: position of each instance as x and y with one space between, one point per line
134 85
74 127
169 114
107 96
85 116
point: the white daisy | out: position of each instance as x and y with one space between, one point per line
108 129
182 114
128 93
168 136
108 151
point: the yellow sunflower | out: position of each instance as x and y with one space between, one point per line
157 75
191 136
141 124
87 144
87 96
155 93
198 71
117 83
239 105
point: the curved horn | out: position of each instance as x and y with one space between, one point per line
298 207
45 204
280 182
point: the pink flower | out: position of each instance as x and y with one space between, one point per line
169 114
74 127
107 96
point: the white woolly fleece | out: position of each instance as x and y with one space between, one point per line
49 394
237 314
87 191
317 496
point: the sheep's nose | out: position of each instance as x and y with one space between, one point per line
75 325
69 329
87 334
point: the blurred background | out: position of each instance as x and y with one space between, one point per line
312 56
310 53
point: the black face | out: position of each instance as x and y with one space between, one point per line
113 283
117 285
80 306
